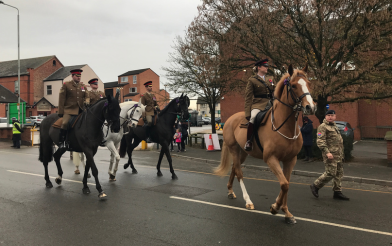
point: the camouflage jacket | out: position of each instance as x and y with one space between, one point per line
329 140
95 96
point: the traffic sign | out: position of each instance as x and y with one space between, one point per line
327 106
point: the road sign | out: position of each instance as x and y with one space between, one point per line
327 106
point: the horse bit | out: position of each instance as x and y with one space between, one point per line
296 108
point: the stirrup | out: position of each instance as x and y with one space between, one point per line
248 146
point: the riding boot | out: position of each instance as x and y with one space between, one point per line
249 137
62 143
339 195
148 131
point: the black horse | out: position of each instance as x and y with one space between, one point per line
160 133
84 137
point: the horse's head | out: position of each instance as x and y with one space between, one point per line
298 90
182 105
134 113
112 112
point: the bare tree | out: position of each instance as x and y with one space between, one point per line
347 43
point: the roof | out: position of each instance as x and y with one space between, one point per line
62 72
42 99
131 94
133 72
10 68
113 84
201 100
7 96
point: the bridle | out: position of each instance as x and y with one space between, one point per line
296 108
130 118
179 111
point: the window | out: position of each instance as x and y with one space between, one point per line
54 62
48 90
124 79
16 87
133 89
134 79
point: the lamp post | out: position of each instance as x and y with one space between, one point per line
1 2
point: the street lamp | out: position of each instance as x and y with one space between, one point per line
1 2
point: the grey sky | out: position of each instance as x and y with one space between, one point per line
112 37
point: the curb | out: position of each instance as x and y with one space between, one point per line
296 172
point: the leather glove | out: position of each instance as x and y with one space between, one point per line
60 115
248 118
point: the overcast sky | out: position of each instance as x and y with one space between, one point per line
112 37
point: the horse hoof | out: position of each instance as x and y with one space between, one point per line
126 166
174 177
250 206
159 173
58 181
273 211
112 177
86 190
49 185
134 171
231 196
290 220
102 196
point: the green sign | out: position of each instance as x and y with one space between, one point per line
13 110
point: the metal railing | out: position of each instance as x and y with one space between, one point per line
374 132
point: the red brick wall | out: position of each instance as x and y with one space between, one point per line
232 103
6 133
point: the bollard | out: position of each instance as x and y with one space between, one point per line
32 130
144 145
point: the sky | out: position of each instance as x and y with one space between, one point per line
112 37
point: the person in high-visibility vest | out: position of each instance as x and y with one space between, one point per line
16 133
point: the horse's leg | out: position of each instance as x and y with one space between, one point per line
85 189
130 149
238 158
94 170
48 183
117 156
161 153
165 150
57 155
112 148
287 169
274 165
84 164
243 156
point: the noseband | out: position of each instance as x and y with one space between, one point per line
296 107
127 120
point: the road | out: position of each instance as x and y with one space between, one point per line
143 209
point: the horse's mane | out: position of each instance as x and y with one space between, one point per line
102 99
163 111
280 85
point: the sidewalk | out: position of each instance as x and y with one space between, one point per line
369 165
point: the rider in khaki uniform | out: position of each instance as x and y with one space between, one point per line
95 94
150 101
258 92
330 143
73 96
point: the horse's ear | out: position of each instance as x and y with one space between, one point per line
182 95
110 97
291 70
117 95
305 69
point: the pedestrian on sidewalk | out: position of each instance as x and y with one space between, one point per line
177 137
330 143
307 136
184 133
16 133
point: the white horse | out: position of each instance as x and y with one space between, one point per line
130 114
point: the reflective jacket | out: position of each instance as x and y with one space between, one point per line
16 128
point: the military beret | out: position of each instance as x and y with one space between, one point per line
331 111
263 63
148 83
93 81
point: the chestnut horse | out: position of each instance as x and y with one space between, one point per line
280 138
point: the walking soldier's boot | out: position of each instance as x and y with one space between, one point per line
339 195
62 143
249 137
314 190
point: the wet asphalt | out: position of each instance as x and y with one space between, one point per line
141 210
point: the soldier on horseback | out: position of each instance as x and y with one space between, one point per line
259 91
150 101
73 96
95 94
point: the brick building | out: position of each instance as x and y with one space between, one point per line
130 85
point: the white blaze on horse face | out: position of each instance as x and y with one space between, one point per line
302 82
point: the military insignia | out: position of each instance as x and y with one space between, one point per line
319 134
154 99
101 96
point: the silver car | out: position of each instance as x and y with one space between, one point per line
34 120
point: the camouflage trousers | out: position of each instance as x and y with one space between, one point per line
333 170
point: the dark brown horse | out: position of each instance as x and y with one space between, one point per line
280 138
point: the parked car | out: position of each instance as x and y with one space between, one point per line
206 120
4 122
34 120
345 129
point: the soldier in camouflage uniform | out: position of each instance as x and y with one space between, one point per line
330 143
94 94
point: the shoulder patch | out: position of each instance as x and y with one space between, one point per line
319 134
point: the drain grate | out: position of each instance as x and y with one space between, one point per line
179 190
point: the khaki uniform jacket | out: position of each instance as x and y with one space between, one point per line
95 96
150 101
329 140
257 88
72 97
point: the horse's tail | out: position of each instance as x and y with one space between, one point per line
226 160
76 158
123 147
45 149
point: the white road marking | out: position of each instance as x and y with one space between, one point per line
355 142
281 215
40 175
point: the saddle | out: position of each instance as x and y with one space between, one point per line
261 118
71 122
142 120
